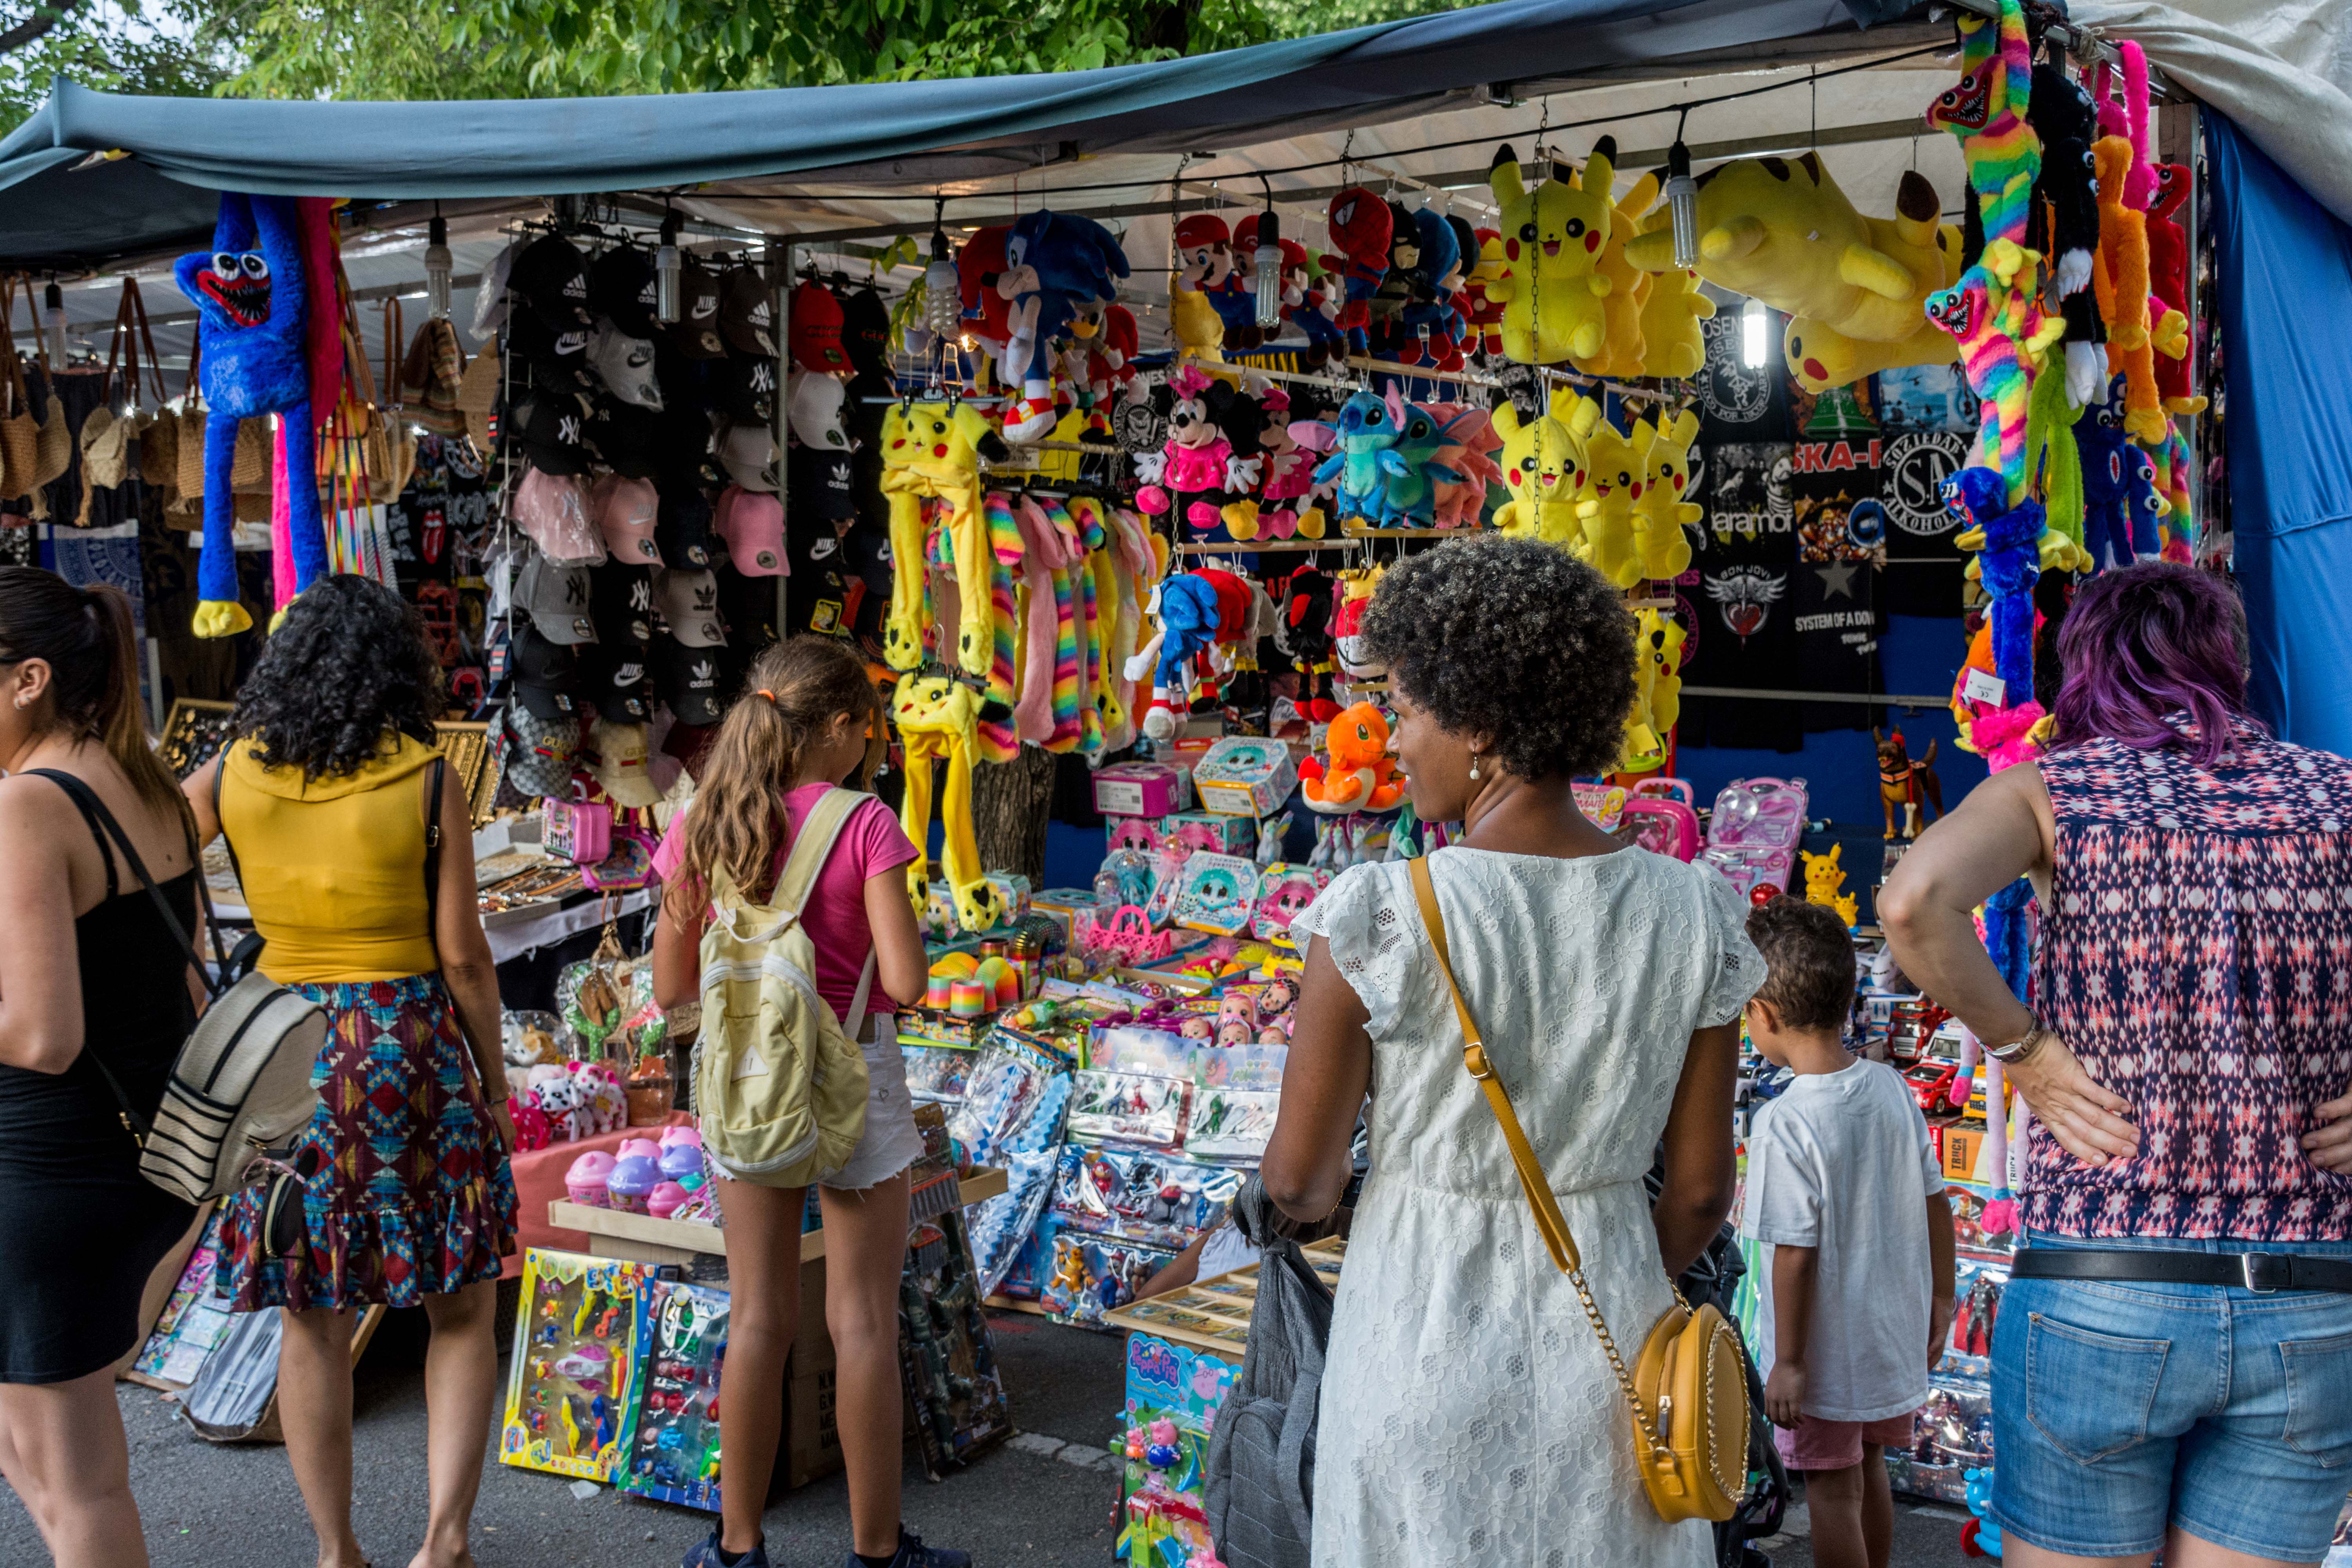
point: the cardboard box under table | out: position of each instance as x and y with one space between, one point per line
811 1447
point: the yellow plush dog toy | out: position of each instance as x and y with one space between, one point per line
934 449
1550 288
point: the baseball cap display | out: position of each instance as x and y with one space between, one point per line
539 752
684 526
816 328
688 679
545 675
552 280
621 285
615 677
823 484
552 510
812 410
624 363
625 510
623 600
746 388
748 452
688 601
620 760
629 438
696 332
490 298
555 597
865 331
550 428
557 356
744 312
752 523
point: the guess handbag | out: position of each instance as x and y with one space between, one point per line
1689 1389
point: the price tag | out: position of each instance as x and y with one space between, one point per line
1983 686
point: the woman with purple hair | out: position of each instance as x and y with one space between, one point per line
2172 1366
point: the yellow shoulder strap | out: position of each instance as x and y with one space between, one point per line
1548 1219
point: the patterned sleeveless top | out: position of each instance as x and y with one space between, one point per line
2198 961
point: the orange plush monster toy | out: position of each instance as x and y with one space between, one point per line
1359 777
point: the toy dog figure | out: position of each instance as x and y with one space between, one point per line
1906 783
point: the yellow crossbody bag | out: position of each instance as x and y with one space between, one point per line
1689 1391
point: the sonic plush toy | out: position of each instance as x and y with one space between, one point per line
1055 266
252 314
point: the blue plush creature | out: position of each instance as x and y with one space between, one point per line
2008 544
1369 425
1055 266
1428 318
250 297
1409 497
2120 500
1982 1533
1186 608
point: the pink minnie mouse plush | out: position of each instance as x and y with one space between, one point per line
1199 461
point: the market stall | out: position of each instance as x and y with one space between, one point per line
1090 410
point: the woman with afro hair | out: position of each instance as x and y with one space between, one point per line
1468 1409
326 792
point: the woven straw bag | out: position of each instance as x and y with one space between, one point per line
20 433
248 475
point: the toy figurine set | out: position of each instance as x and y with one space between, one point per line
670 1439
952 1383
576 1344
1140 1196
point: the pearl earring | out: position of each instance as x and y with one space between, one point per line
1474 765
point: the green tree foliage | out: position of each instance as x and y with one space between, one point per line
172 47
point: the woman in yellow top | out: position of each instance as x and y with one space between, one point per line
322 791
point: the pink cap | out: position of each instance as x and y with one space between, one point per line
752 523
552 510
625 510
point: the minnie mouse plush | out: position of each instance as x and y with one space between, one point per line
1288 475
1199 465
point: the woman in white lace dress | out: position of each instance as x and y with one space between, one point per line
1468 1412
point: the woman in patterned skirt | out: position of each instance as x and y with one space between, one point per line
324 793
2173 1365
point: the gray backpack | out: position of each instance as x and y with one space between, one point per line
1260 1489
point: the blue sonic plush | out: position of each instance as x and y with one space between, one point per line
250 295
1057 269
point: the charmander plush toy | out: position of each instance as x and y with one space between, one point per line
1359 777
256 294
1543 465
1055 266
1661 515
1550 288
1622 343
1360 227
1614 474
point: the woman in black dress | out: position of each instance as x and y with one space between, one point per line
88 969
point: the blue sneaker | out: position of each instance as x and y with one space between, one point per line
705 1555
913 1554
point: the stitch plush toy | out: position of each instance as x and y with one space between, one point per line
1622 346
935 715
1367 428
1543 467
1054 266
1661 517
1615 470
1198 468
1413 470
1360 227
934 449
1551 291
255 293
1359 777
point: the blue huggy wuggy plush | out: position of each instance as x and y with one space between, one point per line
250 292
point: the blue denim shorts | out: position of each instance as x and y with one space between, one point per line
2121 1409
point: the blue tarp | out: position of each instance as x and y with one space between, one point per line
2285 269
891 134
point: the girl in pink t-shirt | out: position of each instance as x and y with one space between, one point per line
808 717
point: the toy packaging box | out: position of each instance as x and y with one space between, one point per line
1093 1274
575 1351
1139 1196
1246 775
1173 1394
669 1433
953 1383
1142 789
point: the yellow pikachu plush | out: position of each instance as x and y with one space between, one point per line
1614 469
1550 288
1543 463
1673 345
1622 346
1661 513
1644 749
1658 642
932 449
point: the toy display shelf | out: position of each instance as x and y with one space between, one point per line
1213 1315
614 1234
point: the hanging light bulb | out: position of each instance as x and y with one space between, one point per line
438 265
1681 204
1267 286
1752 326
55 299
670 273
942 291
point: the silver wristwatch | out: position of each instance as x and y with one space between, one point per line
2024 1046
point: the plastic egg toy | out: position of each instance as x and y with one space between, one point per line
585 1182
665 1199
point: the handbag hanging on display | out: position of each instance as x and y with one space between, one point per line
1689 1389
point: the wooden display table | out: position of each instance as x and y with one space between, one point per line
614 1234
1213 1314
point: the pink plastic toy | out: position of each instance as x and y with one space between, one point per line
665 1199
584 1182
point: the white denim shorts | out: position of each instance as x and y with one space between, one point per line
891 1143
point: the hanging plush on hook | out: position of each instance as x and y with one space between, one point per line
1198 471
1543 465
1549 289
1361 226
253 296
1055 265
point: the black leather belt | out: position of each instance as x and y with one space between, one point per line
2263 1273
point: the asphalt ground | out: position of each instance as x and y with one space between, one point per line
1044 1501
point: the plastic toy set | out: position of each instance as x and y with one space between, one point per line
670 1439
577 1332
1752 836
950 1365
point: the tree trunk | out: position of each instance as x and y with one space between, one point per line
1008 805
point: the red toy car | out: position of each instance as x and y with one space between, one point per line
1932 1082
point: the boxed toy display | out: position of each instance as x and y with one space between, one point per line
1142 789
950 1362
1246 775
669 1433
575 1348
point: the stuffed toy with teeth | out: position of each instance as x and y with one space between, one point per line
254 295
1550 288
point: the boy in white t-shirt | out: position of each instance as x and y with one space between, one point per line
1844 1193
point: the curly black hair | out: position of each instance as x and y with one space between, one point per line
349 663
1515 639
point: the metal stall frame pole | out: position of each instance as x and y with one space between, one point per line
2193 234
779 259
